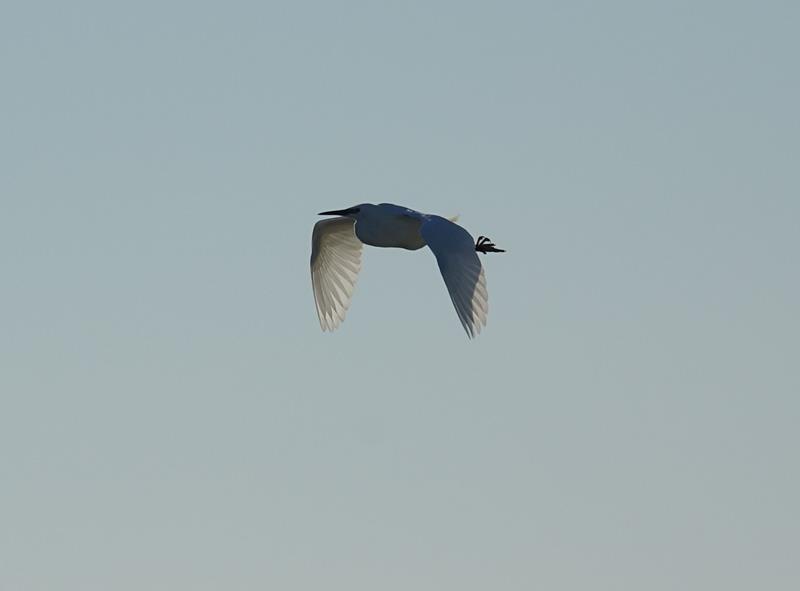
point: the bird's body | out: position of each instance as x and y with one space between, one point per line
390 226
336 257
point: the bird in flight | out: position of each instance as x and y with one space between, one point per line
336 257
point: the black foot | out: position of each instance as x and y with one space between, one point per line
484 245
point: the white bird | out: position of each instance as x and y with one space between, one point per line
336 258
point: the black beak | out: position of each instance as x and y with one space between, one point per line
347 211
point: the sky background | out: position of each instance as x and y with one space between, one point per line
171 415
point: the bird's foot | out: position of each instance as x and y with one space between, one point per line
484 245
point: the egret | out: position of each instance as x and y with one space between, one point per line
336 257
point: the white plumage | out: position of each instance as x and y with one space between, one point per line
335 263
336 258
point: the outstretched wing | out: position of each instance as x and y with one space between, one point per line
461 270
335 263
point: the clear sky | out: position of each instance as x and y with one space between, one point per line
171 415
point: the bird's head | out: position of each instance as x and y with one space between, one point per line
350 212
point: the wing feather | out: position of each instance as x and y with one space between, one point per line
335 263
461 270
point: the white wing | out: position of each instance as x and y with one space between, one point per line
335 263
461 270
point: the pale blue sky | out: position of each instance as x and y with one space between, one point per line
171 416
